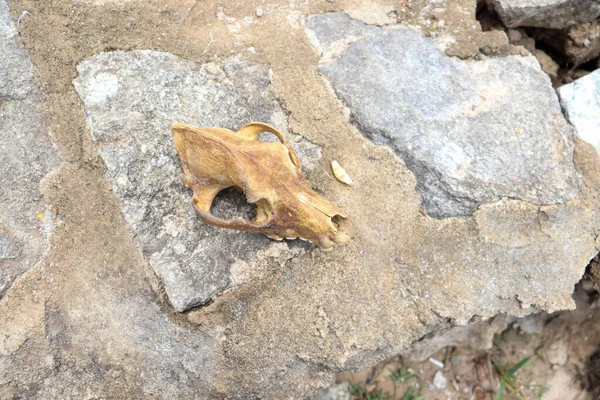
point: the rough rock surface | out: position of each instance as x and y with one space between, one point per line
26 156
471 132
581 102
554 14
131 100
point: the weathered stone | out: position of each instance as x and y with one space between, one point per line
333 34
581 101
131 100
26 156
554 14
17 79
471 131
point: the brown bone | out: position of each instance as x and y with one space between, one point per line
269 174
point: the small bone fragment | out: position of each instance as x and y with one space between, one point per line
340 173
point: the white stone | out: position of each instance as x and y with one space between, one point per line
581 102
439 380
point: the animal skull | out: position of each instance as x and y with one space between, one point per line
269 174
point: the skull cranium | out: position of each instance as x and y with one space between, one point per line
269 174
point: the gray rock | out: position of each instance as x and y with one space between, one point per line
581 101
17 78
27 156
554 14
333 34
131 100
471 131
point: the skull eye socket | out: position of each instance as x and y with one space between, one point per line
231 203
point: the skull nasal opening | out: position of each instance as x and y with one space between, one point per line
343 226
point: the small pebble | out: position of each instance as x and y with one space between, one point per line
259 12
439 380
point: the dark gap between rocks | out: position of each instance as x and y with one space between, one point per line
487 17
590 378
564 54
590 375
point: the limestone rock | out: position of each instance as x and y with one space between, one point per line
131 100
581 102
26 155
554 14
471 131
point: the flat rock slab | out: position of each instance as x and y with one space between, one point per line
581 102
131 100
26 155
553 14
472 132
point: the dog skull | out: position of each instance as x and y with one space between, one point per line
270 176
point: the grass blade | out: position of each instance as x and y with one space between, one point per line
517 367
